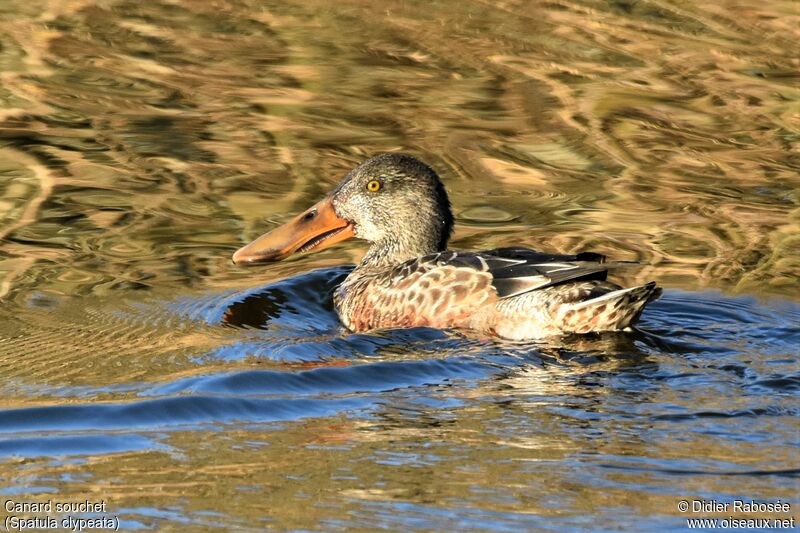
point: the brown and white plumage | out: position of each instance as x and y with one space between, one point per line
514 293
408 278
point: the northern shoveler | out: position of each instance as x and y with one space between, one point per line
409 278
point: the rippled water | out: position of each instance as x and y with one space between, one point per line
142 142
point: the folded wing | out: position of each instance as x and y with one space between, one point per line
516 271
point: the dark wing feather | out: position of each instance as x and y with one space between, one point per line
530 277
519 270
537 270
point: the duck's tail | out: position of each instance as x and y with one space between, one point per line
612 311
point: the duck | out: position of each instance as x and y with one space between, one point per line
409 278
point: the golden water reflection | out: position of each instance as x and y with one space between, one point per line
645 130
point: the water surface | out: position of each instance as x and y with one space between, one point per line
142 142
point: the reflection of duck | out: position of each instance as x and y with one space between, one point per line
408 278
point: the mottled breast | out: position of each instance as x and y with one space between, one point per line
429 294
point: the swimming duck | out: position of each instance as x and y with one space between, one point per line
409 278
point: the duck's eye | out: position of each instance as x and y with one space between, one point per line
374 186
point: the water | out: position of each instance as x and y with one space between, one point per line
142 142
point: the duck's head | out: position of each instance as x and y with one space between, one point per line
394 201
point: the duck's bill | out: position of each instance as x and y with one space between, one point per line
314 229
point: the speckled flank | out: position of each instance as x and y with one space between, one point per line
435 296
458 290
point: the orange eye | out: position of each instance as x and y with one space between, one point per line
374 186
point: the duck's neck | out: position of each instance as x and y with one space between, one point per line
386 254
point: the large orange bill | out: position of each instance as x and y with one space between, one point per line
314 229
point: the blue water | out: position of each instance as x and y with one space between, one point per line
700 401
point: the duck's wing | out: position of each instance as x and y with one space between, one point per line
516 271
